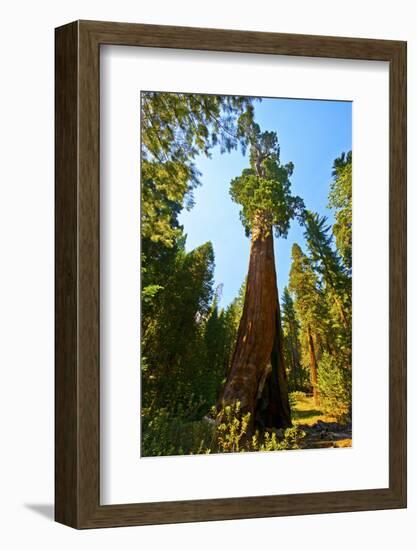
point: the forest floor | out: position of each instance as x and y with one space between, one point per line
322 431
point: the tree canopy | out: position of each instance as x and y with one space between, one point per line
175 128
264 189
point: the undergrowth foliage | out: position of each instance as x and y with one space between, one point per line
335 387
227 431
232 434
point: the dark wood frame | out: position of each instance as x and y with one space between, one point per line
77 274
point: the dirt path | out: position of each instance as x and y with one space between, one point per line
322 431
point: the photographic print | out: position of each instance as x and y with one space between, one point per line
246 274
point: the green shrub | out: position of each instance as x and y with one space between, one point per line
231 429
270 441
232 434
164 434
335 388
294 397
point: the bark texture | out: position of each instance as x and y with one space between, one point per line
257 376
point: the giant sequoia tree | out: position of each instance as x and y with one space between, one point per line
257 377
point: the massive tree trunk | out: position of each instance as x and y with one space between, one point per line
313 366
257 377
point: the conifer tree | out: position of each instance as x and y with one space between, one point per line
291 331
327 263
257 376
309 303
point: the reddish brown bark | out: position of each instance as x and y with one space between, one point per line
259 344
313 367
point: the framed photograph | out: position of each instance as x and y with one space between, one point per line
230 274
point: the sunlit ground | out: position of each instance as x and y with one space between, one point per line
306 414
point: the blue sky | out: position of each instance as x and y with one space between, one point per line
311 134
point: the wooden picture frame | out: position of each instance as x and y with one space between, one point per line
77 374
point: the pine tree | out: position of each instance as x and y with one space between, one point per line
309 305
328 264
172 341
291 331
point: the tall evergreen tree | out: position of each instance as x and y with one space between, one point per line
328 264
267 205
172 340
310 308
291 332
